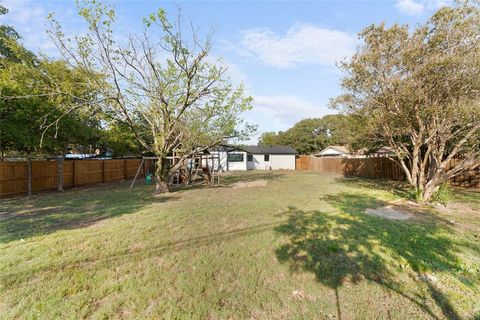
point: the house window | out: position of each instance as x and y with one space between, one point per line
235 157
249 157
266 158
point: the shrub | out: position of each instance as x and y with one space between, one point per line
443 195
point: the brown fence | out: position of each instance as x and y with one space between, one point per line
374 168
14 179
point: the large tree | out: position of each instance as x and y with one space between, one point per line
314 134
163 84
420 92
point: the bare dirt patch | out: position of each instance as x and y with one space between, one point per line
250 184
391 211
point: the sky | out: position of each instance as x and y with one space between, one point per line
284 52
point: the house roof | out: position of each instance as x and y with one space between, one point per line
384 150
339 149
269 150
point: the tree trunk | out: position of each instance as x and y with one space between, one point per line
161 177
60 171
428 192
29 177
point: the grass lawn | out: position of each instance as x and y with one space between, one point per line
299 247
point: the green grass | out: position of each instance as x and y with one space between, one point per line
299 248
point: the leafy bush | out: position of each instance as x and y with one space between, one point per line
414 195
443 195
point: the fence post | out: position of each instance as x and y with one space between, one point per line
125 169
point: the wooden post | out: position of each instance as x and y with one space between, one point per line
125 169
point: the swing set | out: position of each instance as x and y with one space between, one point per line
196 170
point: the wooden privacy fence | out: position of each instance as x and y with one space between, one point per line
374 168
14 179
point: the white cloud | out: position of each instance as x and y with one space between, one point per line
303 44
29 19
416 7
410 7
285 110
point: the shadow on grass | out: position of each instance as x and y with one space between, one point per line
398 188
347 246
471 196
22 219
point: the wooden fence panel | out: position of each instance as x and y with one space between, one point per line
13 178
132 167
376 168
13 175
114 170
88 172
302 163
68 172
44 175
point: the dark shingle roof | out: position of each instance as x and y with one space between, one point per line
269 150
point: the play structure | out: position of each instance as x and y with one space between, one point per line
198 169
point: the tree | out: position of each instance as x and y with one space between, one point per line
314 134
269 138
162 84
65 124
35 94
119 138
420 92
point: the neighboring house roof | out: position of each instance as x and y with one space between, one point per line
338 149
79 155
269 150
384 150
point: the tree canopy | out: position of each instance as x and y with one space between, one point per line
314 134
163 84
419 92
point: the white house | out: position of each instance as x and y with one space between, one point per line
333 151
255 158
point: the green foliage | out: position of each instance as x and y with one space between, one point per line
120 139
444 194
418 91
415 195
39 101
176 101
312 135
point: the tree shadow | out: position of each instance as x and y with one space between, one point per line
398 188
23 219
346 245
471 196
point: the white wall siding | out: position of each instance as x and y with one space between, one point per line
259 163
282 161
238 165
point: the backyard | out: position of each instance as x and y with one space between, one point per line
261 245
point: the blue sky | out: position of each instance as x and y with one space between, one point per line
283 51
